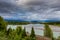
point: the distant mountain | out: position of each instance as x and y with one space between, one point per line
9 20
52 20
34 21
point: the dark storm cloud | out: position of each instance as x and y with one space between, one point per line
30 9
46 9
6 8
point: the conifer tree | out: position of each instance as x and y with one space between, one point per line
23 34
3 24
48 32
18 30
9 31
32 35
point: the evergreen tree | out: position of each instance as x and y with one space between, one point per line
3 24
32 35
14 35
23 34
9 31
18 30
48 32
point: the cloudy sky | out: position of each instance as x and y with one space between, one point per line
30 9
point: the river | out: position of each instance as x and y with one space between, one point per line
39 29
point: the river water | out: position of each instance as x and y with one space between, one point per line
39 29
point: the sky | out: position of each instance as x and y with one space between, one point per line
30 9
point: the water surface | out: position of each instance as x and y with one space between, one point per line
38 29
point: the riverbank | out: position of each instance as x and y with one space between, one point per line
38 37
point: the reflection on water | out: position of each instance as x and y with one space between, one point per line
37 27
